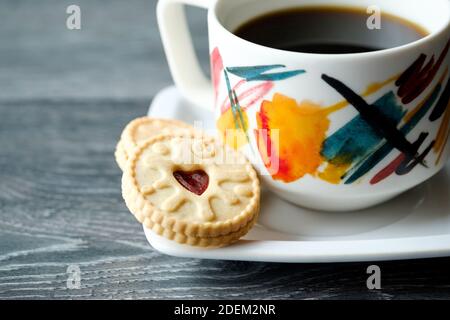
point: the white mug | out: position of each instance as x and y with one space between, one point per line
327 131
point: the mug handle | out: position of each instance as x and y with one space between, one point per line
183 62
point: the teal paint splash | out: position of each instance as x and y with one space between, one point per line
236 109
258 73
363 168
357 139
231 97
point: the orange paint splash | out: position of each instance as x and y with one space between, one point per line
301 131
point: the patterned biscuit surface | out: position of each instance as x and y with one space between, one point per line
154 195
141 129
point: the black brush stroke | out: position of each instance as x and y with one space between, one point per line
417 144
407 166
381 124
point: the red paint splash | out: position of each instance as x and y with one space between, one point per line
266 147
388 170
413 82
216 70
248 97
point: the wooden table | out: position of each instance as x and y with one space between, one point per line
64 98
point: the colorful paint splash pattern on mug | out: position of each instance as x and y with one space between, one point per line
296 132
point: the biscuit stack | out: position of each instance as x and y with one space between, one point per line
186 186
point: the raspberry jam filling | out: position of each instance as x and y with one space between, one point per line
195 181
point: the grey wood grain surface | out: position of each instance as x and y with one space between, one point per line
64 98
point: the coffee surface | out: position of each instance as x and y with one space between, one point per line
328 30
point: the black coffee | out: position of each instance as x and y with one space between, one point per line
328 30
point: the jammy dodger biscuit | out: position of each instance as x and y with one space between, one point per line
192 189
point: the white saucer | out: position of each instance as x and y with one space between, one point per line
414 225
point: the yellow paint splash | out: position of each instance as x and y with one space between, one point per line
374 87
232 136
334 172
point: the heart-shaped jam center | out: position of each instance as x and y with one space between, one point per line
195 181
